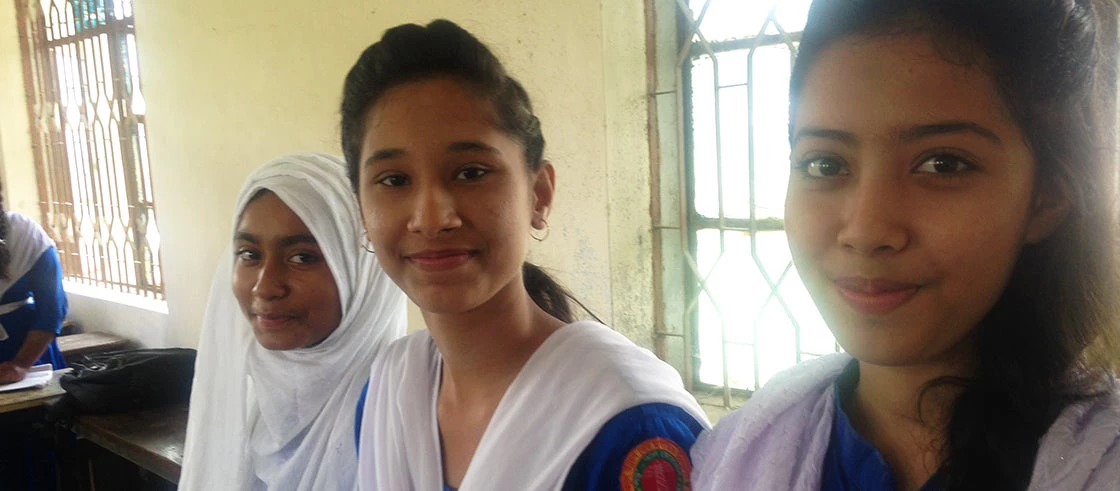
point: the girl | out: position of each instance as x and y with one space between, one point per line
950 210
505 390
32 301
32 308
283 352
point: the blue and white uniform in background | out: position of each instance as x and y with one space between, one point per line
32 298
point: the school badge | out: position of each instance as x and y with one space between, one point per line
657 464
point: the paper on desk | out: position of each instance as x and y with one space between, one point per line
37 376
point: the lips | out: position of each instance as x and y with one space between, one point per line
875 296
273 320
440 260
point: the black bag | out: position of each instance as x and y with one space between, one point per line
131 379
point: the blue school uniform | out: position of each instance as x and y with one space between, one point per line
43 284
646 446
852 463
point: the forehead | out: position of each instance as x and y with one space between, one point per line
267 214
430 105
873 83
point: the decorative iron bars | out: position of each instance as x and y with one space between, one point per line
743 313
87 113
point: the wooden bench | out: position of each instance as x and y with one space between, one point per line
90 342
153 439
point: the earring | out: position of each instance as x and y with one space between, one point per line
366 244
539 237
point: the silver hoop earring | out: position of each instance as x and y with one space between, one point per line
539 237
366 244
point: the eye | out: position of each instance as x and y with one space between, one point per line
944 164
305 258
246 255
823 167
471 174
393 180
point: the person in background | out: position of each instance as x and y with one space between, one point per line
32 307
506 389
33 303
951 210
298 311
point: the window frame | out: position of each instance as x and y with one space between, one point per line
113 174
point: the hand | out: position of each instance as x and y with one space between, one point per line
11 371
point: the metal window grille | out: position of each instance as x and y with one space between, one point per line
721 102
87 115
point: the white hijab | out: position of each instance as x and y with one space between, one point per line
263 419
26 243
583 375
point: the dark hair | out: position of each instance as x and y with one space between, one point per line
1059 304
5 252
409 53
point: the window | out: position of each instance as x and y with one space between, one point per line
87 116
721 100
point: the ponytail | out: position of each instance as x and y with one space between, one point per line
549 295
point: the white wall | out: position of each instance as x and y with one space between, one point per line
230 85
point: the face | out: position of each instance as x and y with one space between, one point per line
281 278
910 198
446 196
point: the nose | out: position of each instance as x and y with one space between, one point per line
271 281
434 211
875 217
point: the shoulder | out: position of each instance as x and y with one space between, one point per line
401 350
624 373
1082 447
405 361
791 413
23 229
644 447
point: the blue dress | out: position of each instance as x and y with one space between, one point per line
43 283
852 463
642 448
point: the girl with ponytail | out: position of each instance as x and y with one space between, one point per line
506 389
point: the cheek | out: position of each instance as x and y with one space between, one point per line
807 226
242 285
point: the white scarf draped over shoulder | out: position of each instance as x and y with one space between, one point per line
262 419
578 379
779 438
26 243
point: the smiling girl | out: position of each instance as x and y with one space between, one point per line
505 390
297 313
950 209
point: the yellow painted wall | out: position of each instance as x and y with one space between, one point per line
230 85
16 170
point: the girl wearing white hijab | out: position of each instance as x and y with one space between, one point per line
278 376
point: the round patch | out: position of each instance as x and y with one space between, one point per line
657 464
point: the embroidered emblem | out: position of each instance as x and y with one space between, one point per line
657 464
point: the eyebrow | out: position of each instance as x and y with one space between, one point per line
909 134
454 147
817 132
284 242
948 127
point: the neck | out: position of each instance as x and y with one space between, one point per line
484 349
891 409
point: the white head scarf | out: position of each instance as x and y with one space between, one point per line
26 243
263 419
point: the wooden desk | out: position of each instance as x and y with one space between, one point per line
90 342
23 399
152 439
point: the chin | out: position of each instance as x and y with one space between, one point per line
271 343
